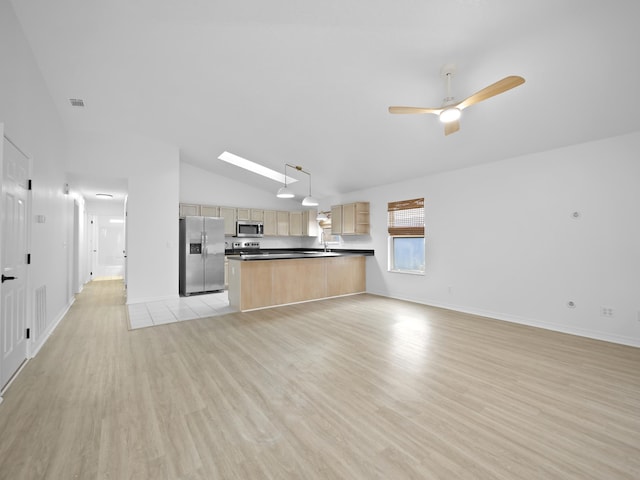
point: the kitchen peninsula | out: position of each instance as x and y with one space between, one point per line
271 278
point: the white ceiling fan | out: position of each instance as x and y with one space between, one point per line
450 111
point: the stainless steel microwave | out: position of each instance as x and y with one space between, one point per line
249 228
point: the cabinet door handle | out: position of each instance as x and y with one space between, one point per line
5 278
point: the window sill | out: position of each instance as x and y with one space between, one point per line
408 272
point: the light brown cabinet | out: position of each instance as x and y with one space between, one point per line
265 283
283 223
310 223
189 210
350 219
243 214
276 223
336 219
270 223
209 211
295 224
303 224
229 215
257 215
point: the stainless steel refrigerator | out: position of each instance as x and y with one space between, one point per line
201 255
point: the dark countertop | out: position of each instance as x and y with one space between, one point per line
290 253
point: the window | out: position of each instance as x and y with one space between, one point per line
406 236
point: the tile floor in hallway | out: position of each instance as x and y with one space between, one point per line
177 310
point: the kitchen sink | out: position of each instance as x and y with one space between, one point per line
293 254
316 253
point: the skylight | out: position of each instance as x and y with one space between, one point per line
254 167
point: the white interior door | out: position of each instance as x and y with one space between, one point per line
13 262
126 243
109 246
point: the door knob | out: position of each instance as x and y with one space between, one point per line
4 278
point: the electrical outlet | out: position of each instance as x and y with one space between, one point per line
606 312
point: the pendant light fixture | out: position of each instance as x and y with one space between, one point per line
285 192
309 201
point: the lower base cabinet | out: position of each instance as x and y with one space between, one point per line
267 283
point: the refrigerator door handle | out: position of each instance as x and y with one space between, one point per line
203 244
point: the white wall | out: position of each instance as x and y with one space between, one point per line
81 274
112 208
502 236
201 187
32 122
152 171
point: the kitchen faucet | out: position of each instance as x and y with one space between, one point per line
323 240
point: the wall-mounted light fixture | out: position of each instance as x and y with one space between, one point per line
285 192
324 219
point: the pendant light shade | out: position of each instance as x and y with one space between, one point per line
285 192
309 201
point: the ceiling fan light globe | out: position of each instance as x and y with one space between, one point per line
310 202
284 192
449 115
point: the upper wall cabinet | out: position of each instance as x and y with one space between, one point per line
310 223
188 210
336 219
303 223
283 223
243 214
257 215
209 211
350 219
295 224
270 221
229 215
276 223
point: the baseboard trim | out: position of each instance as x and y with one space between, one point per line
530 322
301 301
133 301
13 377
35 348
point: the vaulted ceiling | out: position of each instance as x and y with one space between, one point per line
309 83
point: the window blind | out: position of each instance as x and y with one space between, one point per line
406 217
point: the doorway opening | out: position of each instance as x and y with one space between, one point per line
99 228
107 247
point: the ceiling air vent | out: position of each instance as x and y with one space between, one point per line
76 102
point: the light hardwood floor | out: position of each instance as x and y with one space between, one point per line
358 387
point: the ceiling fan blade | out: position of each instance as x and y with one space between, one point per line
451 127
501 86
414 110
